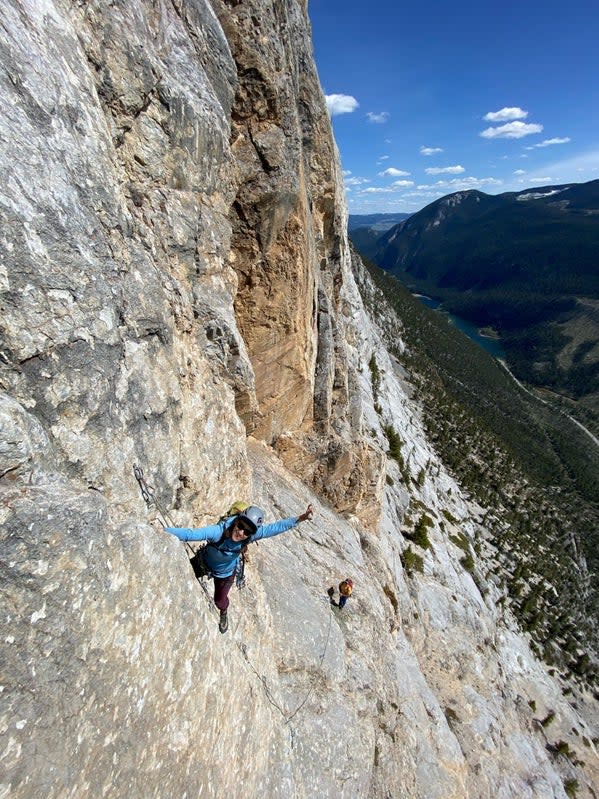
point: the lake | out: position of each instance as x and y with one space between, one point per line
491 345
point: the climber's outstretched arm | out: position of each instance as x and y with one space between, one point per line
212 532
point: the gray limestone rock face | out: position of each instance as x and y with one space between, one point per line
108 649
177 293
115 126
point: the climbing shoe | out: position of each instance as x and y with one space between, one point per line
223 624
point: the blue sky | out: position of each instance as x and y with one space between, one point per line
427 98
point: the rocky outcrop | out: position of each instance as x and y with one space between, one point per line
289 250
175 275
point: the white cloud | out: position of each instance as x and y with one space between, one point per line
346 172
511 130
340 104
519 172
430 150
461 183
396 186
549 142
378 118
383 158
355 181
441 170
373 190
505 115
582 167
424 194
392 172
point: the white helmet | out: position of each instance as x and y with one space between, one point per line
253 516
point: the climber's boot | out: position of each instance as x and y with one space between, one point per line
223 624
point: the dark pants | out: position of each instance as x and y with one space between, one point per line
342 600
222 586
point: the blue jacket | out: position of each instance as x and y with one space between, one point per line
223 561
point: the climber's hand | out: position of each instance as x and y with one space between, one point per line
307 514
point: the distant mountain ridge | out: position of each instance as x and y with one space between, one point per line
380 222
365 229
525 263
490 239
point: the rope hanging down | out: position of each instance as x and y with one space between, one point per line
149 496
288 717
323 653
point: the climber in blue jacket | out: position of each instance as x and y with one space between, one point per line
225 543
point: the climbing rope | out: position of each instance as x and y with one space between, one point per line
149 496
288 717
243 649
303 702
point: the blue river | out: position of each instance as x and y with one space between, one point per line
491 345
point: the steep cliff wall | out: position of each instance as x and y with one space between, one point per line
175 275
289 250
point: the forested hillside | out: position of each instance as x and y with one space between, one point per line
527 460
524 264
